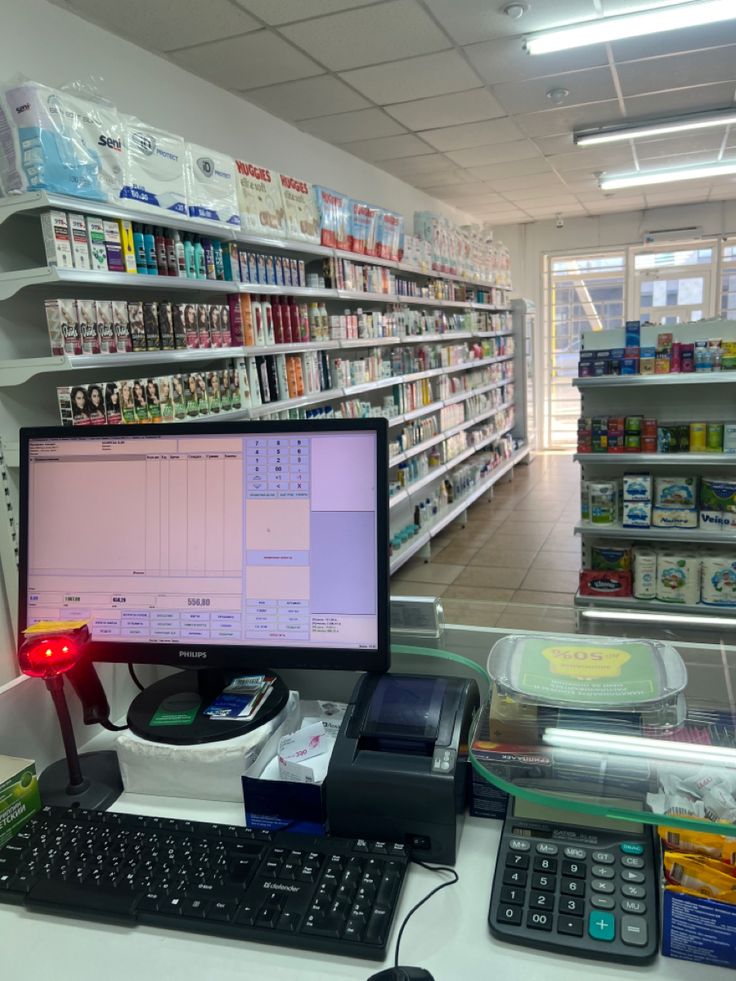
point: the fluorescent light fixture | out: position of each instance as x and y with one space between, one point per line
644 178
670 620
676 124
636 24
659 750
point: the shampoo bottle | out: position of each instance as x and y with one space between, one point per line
161 263
139 246
219 261
150 243
181 261
209 258
199 258
189 261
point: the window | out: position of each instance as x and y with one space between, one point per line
672 286
583 293
728 282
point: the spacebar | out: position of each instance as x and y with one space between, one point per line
70 898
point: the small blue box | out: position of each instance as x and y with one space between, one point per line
633 333
630 366
618 352
698 929
648 352
273 805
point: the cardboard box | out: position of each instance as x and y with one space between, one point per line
698 929
19 796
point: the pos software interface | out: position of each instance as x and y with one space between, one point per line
250 536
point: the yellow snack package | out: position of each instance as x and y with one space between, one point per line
700 876
699 843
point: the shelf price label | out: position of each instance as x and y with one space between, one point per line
586 662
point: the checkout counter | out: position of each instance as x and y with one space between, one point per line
449 936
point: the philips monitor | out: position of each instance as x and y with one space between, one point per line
234 546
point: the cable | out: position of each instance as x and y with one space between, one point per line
134 676
442 885
110 726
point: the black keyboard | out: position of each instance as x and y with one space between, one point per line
333 895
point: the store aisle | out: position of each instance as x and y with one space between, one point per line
516 562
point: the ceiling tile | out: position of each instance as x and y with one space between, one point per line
284 11
299 100
670 42
414 78
387 148
441 176
469 189
504 185
555 122
369 35
479 20
519 168
678 71
444 110
593 158
346 127
593 85
679 160
504 60
244 62
709 139
472 134
431 163
495 153
550 145
159 26
682 100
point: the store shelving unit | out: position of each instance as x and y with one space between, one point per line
709 396
29 375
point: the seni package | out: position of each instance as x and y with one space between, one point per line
154 175
259 200
210 182
334 218
300 209
58 142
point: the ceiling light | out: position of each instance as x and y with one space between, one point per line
515 10
631 25
662 127
557 96
643 178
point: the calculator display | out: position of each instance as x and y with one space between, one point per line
532 811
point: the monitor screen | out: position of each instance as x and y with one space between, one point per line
223 545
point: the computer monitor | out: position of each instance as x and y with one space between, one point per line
236 546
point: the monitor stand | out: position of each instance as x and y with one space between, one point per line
172 710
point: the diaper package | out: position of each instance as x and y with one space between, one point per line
53 141
363 227
259 200
334 218
300 209
154 173
390 235
210 183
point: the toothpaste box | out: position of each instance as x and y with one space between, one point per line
19 796
57 239
113 246
128 246
96 242
80 245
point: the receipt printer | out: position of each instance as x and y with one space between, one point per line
399 769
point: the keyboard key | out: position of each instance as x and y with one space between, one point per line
631 848
541 900
542 864
602 926
288 922
604 858
397 850
573 887
602 885
509 914
603 902
570 925
378 924
539 920
514 877
519 845
634 931
354 928
195 908
603 872
510 894
547 883
361 845
546 848
171 905
632 875
635 906
633 892
575 870
572 907
572 851
517 860
221 912
632 862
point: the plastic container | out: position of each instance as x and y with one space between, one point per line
643 679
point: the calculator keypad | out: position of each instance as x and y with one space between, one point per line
589 901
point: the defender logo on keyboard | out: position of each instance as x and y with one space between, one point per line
280 887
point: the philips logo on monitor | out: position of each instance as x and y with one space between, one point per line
193 655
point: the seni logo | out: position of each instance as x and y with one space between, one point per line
110 142
193 655
24 108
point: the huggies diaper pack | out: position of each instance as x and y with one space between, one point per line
154 175
363 227
61 143
389 235
210 181
334 218
259 200
300 209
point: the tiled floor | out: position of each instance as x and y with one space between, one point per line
515 562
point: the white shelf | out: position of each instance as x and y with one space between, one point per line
658 459
450 335
653 605
272 289
254 349
462 396
363 260
654 381
407 454
424 410
656 534
362 342
304 400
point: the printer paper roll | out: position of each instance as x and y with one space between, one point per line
718 580
678 577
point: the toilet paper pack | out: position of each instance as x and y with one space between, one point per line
260 200
678 577
718 580
637 487
53 141
675 492
718 521
300 209
645 573
718 494
674 518
637 514
211 186
154 173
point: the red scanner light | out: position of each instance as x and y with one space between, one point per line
48 657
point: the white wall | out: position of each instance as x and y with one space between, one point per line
50 45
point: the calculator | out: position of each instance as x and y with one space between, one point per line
576 883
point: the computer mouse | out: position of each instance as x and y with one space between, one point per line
402 974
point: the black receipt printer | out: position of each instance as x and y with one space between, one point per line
399 769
